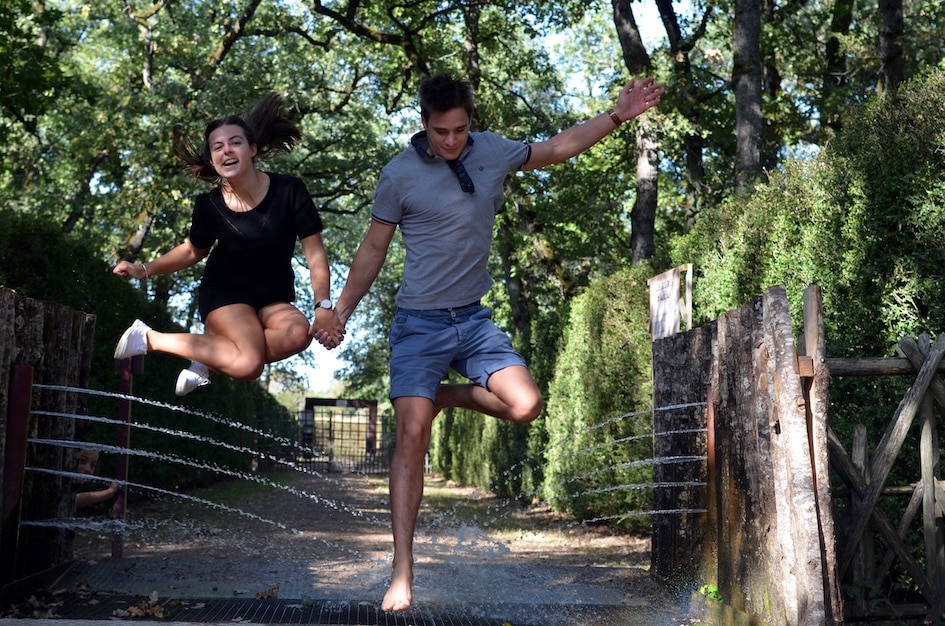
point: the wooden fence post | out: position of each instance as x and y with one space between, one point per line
865 554
813 346
682 372
798 515
126 369
14 464
764 541
889 447
56 342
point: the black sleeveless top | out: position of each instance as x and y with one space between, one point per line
254 249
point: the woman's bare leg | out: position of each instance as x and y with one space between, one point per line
234 344
239 341
286 331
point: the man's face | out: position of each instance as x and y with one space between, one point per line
447 132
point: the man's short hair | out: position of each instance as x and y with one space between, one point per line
442 92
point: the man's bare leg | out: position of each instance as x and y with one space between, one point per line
414 416
512 395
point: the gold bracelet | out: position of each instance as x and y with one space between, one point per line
614 117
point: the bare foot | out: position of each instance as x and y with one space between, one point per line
400 594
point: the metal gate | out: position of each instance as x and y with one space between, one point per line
337 434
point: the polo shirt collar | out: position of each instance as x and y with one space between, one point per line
421 144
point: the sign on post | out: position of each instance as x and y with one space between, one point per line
669 305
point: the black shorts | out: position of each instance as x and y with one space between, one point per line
212 297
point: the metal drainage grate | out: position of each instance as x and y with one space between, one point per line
278 611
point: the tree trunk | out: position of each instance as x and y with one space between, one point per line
471 15
689 104
83 192
771 80
747 82
136 240
892 72
643 215
835 75
514 286
145 24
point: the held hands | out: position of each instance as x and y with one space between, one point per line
637 97
327 329
124 268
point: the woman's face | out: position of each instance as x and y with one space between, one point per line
230 152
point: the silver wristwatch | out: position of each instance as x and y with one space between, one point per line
324 304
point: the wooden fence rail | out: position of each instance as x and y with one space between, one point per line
868 480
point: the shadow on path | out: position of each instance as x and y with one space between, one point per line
328 563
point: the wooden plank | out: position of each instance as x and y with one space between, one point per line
84 327
865 552
49 495
56 342
915 503
682 371
799 527
7 351
744 473
890 445
937 610
29 351
711 547
929 458
913 353
817 400
872 366
17 415
932 528
932 498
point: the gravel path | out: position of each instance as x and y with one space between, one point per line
337 516
328 538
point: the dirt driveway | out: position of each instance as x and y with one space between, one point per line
341 515
328 537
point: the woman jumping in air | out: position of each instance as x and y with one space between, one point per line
253 218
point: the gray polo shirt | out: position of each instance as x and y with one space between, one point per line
446 231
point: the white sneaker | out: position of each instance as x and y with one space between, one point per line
133 342
196 375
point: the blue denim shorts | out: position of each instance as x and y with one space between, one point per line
425 344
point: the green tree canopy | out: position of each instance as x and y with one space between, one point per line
95 93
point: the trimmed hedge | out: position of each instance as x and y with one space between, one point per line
598 417
38 261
